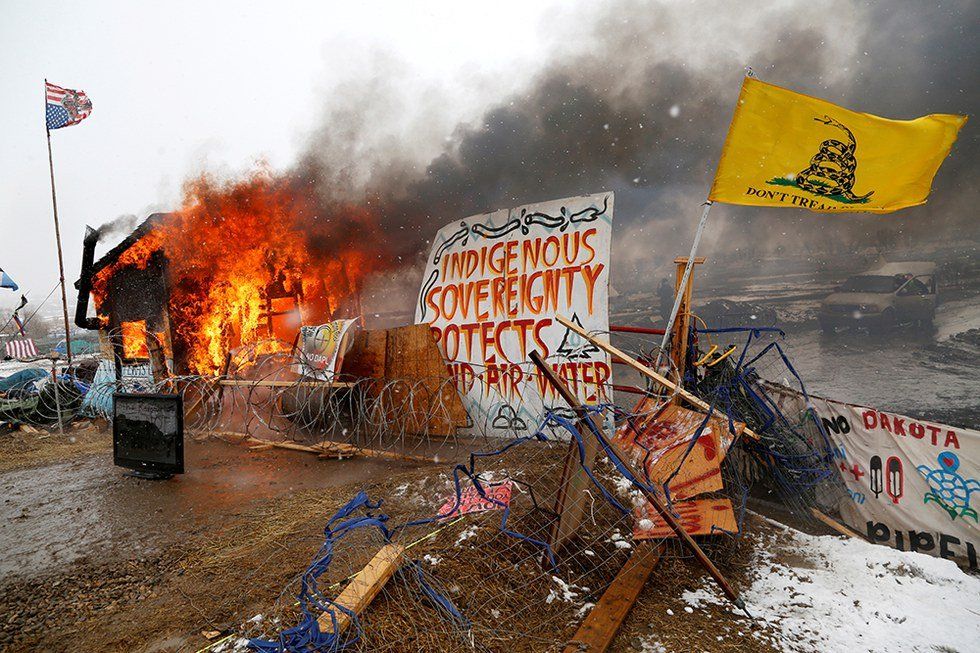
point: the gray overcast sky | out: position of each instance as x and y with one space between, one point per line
501 105
182 86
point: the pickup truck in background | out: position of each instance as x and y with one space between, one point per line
883 298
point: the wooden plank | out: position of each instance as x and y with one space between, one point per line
571 499
366 357
325 449
364 587
597 632
647 372
836 525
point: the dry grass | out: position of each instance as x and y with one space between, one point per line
247 564
30 448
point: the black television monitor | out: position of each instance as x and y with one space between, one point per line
148 434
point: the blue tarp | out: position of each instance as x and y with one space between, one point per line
78 347
21 379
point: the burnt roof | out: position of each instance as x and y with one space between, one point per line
113 254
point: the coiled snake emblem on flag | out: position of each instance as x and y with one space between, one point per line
831 170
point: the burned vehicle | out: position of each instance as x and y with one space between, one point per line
884 297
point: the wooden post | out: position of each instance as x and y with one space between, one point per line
682 324
647 372
837 526
364 587
654 500
687 272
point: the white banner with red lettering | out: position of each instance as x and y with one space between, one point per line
492 286
911 484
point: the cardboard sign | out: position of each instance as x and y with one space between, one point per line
661 444
322 349
911 484
470 500
491 288
698 517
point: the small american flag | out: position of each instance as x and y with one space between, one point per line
65 106
21 348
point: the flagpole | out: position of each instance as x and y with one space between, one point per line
684 278
57 233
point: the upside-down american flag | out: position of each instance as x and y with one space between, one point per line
65 106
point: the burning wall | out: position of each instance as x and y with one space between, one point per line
240 263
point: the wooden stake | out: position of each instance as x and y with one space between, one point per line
834 524
682 324
364 587
654 500
326 448
647 372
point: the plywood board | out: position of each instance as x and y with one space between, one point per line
660 443
698 517
366 357
571 501
412 380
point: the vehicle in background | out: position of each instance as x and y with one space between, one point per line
882 298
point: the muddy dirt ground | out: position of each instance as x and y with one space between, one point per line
97 561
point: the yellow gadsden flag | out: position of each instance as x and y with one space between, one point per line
788 149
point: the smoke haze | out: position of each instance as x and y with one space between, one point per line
637 98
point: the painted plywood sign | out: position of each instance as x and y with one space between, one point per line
911 484
495 497
492 286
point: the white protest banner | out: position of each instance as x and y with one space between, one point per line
911 483
492 286
322 348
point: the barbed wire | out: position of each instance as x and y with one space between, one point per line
480 581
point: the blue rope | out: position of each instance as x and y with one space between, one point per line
358 512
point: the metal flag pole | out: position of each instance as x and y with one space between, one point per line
684 278
689 266
57 234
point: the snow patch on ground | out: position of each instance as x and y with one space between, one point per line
568 592
465 535
617 540
654 647
849 595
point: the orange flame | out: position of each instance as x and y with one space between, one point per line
134 340
234 247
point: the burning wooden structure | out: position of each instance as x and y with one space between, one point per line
184 309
